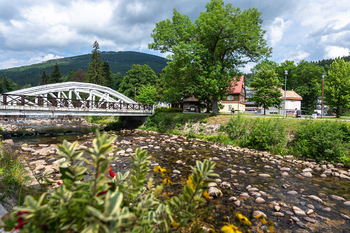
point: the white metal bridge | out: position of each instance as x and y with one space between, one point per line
70 99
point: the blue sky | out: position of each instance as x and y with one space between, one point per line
35 31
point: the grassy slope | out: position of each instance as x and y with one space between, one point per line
118 61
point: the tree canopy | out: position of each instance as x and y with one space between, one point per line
337 86
137 77
206 53
267 85
44 78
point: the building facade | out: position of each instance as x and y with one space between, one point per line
236 97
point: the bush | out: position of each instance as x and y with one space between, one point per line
322 140
160 109
118 203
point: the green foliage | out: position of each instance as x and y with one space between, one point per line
79 76
55 76
266 83
117 79
107 75
126 202
160 109
44 78
137 77
95 72
147 94
337 86
326 140
206 53
7 85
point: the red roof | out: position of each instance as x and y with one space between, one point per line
236 86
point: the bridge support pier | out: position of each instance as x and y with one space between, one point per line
132 122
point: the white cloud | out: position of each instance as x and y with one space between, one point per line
335 51
276 30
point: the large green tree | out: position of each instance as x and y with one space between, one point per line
44 78
137 77
206 53
55 76
147 94
78 76
267 85
95 72
337 86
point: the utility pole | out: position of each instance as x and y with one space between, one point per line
322 95
285 92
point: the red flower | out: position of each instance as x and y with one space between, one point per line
111 173
101 193
20 220
59 183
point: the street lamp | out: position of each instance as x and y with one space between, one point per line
322 95
285 92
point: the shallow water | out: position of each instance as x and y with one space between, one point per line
325 221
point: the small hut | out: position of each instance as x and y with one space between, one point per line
190 104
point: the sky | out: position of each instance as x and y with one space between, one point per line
33 31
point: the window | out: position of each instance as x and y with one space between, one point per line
230 107
230 97
193 109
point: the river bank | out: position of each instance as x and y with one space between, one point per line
297 195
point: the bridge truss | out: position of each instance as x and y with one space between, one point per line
70 98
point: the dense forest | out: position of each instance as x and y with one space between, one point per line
119 62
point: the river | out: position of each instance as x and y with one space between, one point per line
249 181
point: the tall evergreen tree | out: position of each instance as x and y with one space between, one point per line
44 79
266 83
107 75
95 72
55 76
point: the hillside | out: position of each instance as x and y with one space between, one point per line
118 61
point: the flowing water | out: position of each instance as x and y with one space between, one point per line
271 190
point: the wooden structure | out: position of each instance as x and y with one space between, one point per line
191 104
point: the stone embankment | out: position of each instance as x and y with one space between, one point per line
294 193
13 124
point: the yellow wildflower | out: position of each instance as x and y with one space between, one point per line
157 168
190 182
261 218
206 195
243 220
162 170
271 227
174 224
167 181
230 228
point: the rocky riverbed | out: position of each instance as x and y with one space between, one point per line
297 195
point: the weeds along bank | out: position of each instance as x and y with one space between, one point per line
319 140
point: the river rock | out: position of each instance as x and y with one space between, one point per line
277 207
242 172
259 200
306 174
37 162
264 175
298 211
287 169
212 184
337 198
345 216
293 192
58 161
278 214
238 203
296 219
327 209
308 219
232 199
233 171
315 198
309 211
307 170
27 149
244 195
258 212
225 185
284 174
215 192
176 172
129 150
347 203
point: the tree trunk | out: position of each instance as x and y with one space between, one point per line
215 108
338 112
264 111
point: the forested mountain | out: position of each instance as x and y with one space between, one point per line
326 63
118 61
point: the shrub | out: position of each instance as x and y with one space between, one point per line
267 134
160 109
237 127
321 140
119 203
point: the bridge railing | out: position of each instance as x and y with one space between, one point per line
40 101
